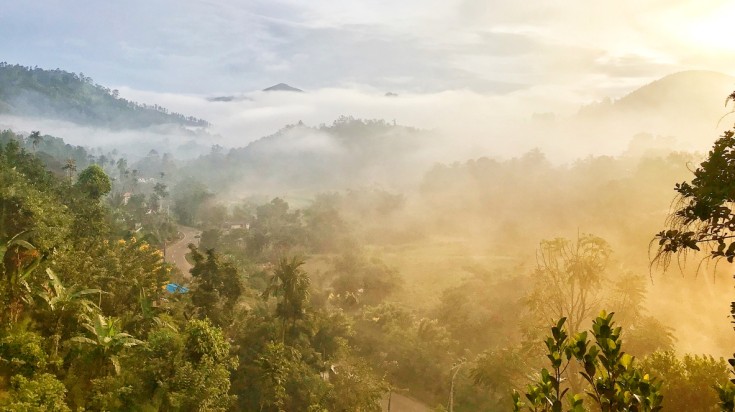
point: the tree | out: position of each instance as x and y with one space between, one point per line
124 270
206 368
704 220
187 371
38 394
689 383
355 388
275 230
188 198
418 352
122 167
22 353
704 217
290 284
275 365
36 139
615 382
217 285
70 167
644 334
567 280
30 201
161 190
94 182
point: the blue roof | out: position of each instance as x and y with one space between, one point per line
176 288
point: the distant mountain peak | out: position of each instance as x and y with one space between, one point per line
282 87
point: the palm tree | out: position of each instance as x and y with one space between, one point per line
291 284
70 167
106 338
122 166
35 139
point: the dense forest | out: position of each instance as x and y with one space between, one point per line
57 94
465 206
352 298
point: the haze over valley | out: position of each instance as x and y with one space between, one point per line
440 206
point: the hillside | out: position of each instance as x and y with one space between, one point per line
350 152
696 93
57 94
686 109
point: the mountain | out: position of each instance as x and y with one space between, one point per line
692 90
282 87
686 108
692 93
60 95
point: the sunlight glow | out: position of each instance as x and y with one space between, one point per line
714 30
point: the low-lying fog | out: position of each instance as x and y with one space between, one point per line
467 123
464 123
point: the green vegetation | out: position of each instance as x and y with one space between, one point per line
349 298
704 219
614 382
56 94
89 325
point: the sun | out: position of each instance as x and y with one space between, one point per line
713 31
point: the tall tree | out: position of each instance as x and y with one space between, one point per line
704 220
217 285
122 166
36 139
290 285
70 167
567 280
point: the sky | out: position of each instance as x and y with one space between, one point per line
592 49
469 68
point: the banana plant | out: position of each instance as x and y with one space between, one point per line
106 338
19 259
64 302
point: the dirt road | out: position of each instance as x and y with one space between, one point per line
401 403
176 252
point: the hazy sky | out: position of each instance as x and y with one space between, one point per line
591 48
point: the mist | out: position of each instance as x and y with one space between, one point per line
367 206
467 122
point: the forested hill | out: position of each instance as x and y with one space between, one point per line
348 152
57 94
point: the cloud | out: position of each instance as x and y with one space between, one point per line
432 45
467 124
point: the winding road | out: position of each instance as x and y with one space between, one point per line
176 252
